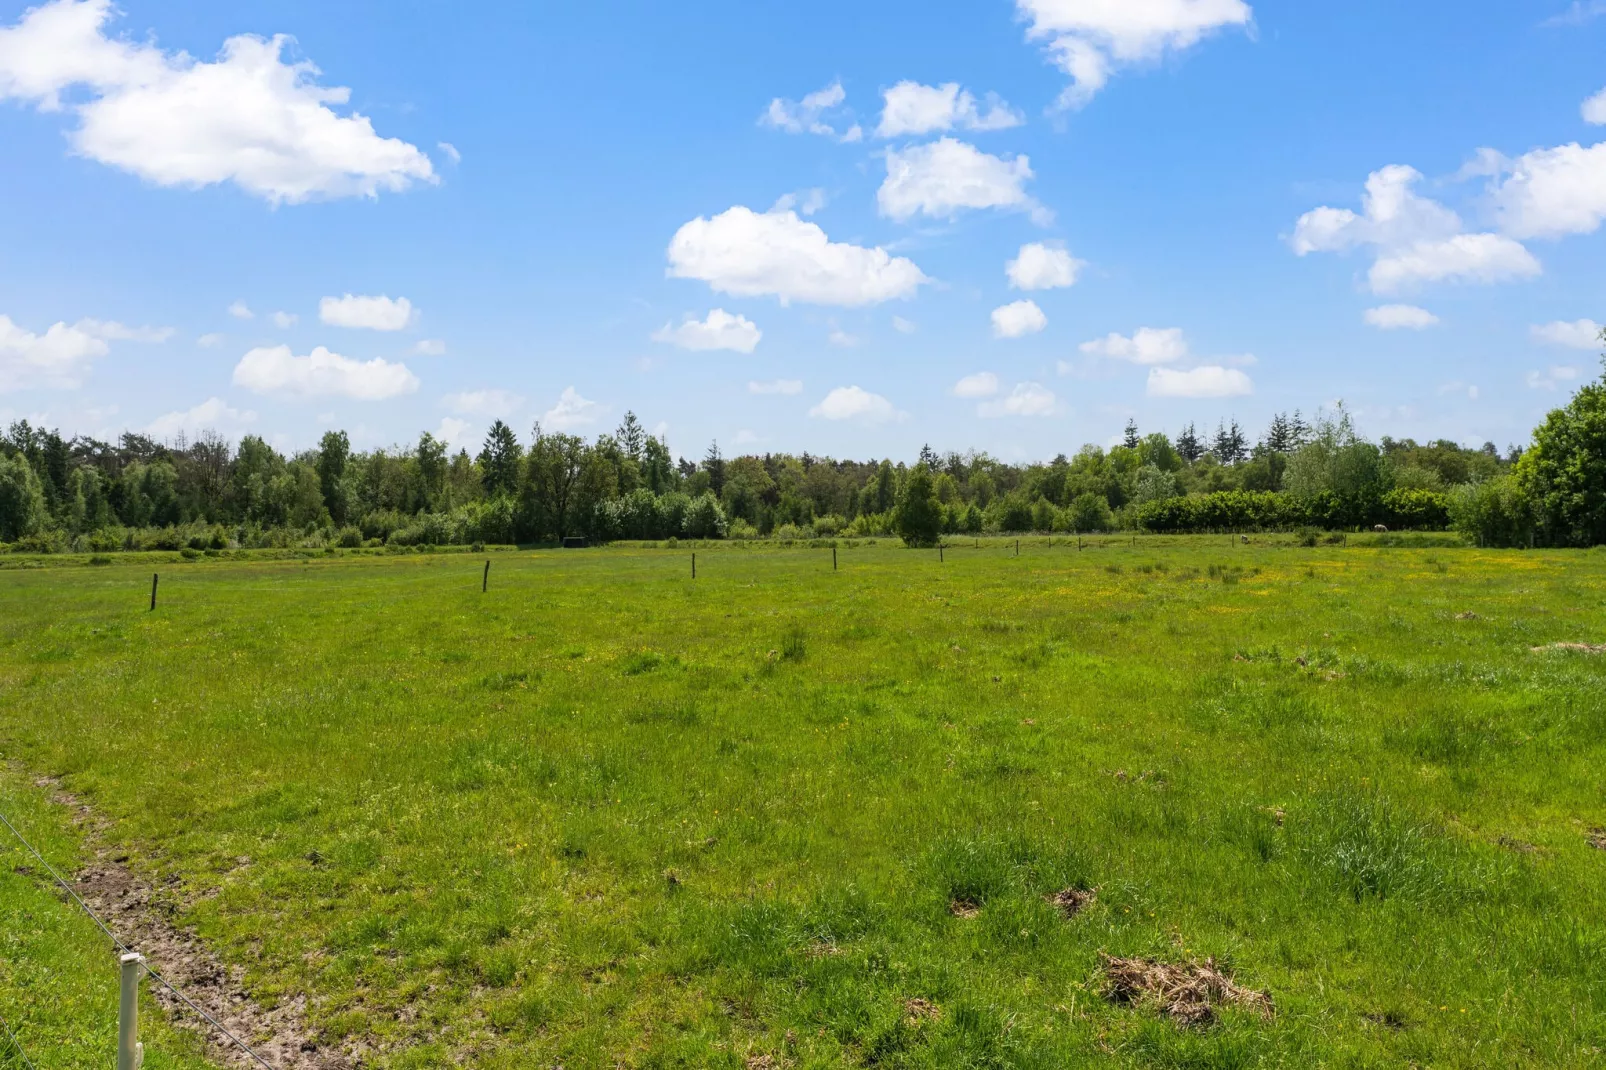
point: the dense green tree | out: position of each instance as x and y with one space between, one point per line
1189 448
334 453
1564 473
22 499
632 437
918 515
714 465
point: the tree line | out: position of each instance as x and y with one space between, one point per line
84 494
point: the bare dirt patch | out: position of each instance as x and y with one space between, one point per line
921 1010
142 916
1597 839
1468 615
1072 901
1576 648
1188 993
964 908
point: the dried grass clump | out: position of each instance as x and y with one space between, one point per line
1187 993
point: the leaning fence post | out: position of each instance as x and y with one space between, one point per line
154 578
833 559
939 553
693 566
485 580
130 1052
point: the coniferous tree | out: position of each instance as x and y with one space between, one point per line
1188 445
928 458
499 460
632 438
714 465
1280 435
1132 440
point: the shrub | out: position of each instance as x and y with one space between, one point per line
1497 512
1091 512
349 537
705 519
918 515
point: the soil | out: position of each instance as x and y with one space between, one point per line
1072 901
964 908
1187 993
1577 648
921 1010
142 916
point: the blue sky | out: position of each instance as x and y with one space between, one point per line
790 227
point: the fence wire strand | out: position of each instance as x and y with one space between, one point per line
125 949
16 1044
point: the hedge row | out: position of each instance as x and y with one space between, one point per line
1242 510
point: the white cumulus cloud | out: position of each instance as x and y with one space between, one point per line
720 330
493 403
248 117
854 403
752 254
60 358
213 414
980 385
276 370
372 313
1416 240
285 320
1148 345
912 108
947 176
571 413
430 347
1041 266
1594 109
1399 317
1549 193
1018 318
1208 381
1551 379
1089 39
1027 399
456 433
1577 334
809 115
786 387
241 311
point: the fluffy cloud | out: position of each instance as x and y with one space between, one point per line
285 320
213 414
241 311
430 347
1039 266
752 254
1018 318
1579 334
455 432
980 385
808 116
841 338
1209 381
787 387
903 326
207 341
1027 399
852 403
60 358
1416 240
1148 345
1089 39
1554 377
1594 109
1548 193
493 403
912 108
248 118
571 413
944 177
275 370
1400 317
720 330
373 313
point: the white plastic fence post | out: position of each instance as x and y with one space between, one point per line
130 1052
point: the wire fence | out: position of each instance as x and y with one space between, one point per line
16 1045
125 949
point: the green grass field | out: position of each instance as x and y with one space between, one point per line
605 815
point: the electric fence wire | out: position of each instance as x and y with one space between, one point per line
125 949
16 1044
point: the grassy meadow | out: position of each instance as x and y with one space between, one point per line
605 815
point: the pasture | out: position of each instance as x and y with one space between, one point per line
783 816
